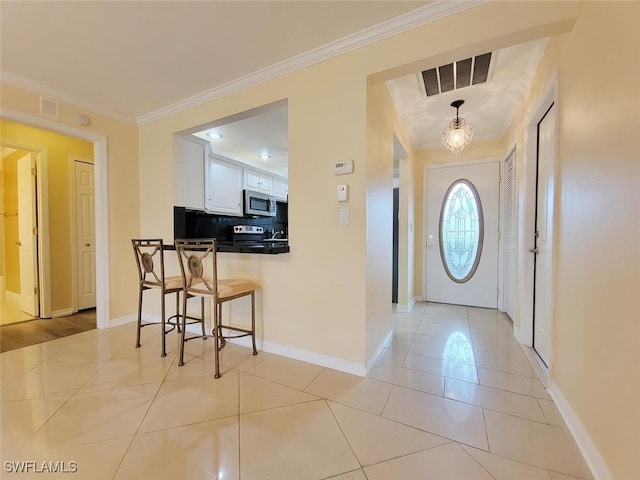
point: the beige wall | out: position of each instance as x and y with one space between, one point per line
597 226
123 186
383 124
379 217
597 264
60 151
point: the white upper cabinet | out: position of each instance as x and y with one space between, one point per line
223 187
258 181
188 172
280 188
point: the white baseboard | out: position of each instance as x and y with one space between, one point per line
116 322
320 359
62 313
589 451
379 351
400 307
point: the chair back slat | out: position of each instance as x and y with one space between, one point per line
194 257
149 255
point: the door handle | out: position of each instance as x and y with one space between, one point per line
87 244
534 250
19 244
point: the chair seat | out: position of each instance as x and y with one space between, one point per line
230 287
174 282
170 283
227 287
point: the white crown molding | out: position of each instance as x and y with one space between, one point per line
430 13
40 89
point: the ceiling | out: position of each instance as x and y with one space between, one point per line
488 107
134 59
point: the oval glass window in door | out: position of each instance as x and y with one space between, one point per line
461 231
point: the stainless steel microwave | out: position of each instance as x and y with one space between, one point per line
256 203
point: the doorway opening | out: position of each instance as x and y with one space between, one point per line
536 232
99 147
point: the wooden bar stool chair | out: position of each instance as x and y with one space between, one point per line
149 255
193 256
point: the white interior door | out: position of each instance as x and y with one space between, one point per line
27 238
85 235
542 303
476 280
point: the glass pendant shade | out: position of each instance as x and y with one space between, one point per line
459 134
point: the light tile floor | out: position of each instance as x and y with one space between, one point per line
451 397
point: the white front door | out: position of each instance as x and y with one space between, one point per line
456 271
85 235
27 236
544 236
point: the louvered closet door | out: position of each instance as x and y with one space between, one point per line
509 233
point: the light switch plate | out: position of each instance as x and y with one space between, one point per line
343 193
344 216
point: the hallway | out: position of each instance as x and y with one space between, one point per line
451 397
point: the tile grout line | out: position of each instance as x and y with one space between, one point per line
133 437
72 395
476 461
343 434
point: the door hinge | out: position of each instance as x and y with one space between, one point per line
33 171
35 230
35 291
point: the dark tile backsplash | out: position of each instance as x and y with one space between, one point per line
198 224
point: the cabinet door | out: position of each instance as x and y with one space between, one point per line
223 187
280 188
189 164
251 180
266 184
258 181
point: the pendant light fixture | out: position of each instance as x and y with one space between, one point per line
459 134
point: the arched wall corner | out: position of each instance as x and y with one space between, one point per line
101 206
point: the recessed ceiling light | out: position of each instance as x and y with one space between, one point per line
215 135
265 156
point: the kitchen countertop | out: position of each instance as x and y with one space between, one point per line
264 247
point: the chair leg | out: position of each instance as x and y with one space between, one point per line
223 341
139 318
253 322
216 335
184 329
204 333
164 339
178 310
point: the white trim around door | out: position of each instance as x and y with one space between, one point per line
103 313
523 328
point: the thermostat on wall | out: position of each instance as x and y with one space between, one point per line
343 167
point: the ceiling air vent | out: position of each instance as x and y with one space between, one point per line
49 108
470 71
